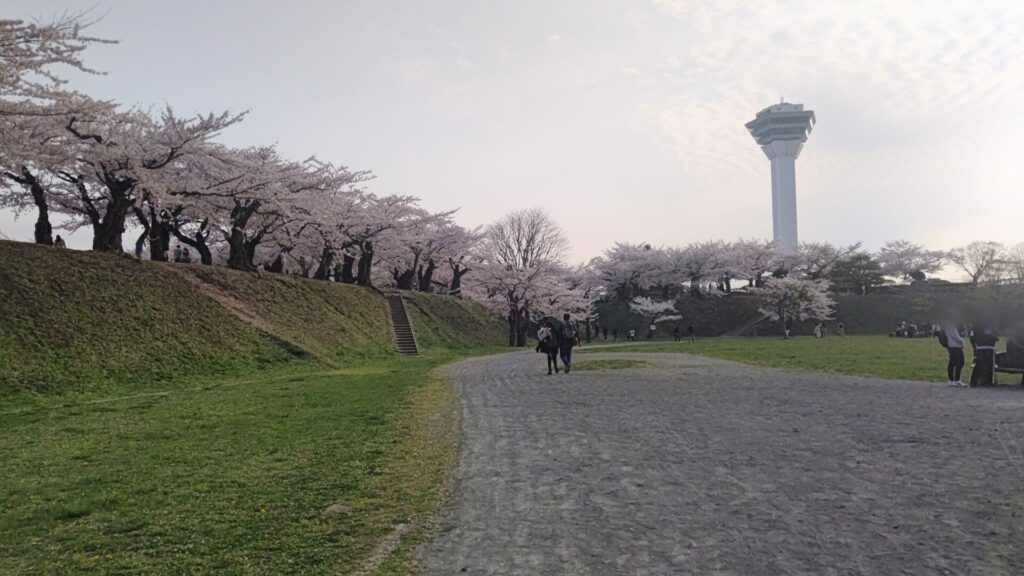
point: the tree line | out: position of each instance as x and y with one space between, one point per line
112 170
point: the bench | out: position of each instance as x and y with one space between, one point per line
1001 367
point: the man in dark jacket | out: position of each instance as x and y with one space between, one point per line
566 340
984 345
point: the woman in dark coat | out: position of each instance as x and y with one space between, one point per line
547 342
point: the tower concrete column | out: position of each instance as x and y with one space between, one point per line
781 130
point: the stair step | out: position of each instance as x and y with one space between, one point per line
401 327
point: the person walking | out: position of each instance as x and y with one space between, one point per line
615 334
140 247
691 332
951 340
567 338
547 342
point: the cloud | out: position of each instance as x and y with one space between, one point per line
554 38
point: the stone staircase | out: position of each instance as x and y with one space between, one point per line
401 326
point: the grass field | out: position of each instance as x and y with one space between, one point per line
878 356
156 419
236 477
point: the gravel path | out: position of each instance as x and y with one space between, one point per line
699 466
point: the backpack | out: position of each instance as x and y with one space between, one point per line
943 339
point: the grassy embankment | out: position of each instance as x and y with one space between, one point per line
876 356
215 422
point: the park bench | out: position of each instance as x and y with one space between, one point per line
1002 367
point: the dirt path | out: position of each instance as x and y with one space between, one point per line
700 466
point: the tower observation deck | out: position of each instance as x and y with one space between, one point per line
781 131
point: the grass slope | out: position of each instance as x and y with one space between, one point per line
84 321
876 356
217 422
453 323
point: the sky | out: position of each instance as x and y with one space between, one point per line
624 119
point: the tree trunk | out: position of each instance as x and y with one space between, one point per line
323 271
403 279
239 248
455 288
44 230
277 266
236 251
511 329
426 277
348 262
363 275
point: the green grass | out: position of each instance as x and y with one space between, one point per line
166 420
609 364
876 356
453 323
231 478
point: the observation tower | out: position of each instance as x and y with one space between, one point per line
781 130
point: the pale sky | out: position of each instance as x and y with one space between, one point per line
625 119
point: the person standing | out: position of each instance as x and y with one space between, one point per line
984 345
951 340
632 335
691 332
177 253
840 328
604 332
140 247
615 334
566 340
58 242
548 344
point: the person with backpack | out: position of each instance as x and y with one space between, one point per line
951 340
547 342
567 338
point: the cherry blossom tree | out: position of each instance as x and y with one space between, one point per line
626 269
521 269
981 261
1015 260
119 156
787 300
754 259
29 54
904 261
814 260
654 311
34 150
